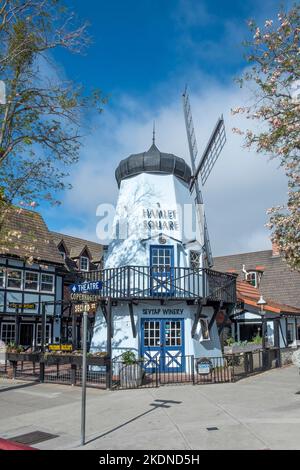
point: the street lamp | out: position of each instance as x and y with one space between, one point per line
261 303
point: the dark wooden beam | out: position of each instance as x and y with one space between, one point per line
198 315
229 309
216 308
134 332
104 312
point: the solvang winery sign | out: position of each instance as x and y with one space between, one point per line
163 311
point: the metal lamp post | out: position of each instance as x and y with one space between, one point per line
261 303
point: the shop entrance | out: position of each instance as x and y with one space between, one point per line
26 334
162 343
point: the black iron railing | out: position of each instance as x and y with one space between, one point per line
129 282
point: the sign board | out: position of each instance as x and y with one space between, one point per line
60 347
86 307
204 366
19 305
86 297
87 286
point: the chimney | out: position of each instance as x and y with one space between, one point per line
275 249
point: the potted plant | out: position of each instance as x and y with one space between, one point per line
132 372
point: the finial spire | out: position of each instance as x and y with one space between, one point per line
153 134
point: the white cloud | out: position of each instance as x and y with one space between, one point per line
240 189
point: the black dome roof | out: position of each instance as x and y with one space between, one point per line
153 161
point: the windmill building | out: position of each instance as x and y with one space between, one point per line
164 297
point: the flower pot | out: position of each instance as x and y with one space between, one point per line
241 349
131 375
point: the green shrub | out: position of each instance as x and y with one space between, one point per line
128 357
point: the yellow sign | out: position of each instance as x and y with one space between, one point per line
19 305
88 307
60 347
86 297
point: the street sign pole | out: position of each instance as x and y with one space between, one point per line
84 371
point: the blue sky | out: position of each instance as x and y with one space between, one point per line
143 53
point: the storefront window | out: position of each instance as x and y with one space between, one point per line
47 283
39 333
8 332
31 281
14 278
2 277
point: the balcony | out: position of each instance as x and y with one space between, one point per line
144 282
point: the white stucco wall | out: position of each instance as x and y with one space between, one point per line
140 198
122 331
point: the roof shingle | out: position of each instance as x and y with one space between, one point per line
30 236
278 283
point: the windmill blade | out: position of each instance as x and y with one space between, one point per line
211 153
190 129
203 231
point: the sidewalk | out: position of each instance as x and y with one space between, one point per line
260 412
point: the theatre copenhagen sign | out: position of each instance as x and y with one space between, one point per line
84 292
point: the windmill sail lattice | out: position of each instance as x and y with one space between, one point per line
213 149
209 158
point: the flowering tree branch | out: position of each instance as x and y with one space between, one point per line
274 56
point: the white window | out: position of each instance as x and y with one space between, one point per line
8 332
252 278
31 281
84 263
63 254
47 282
204 329
2 277
39 333
14 278
194 259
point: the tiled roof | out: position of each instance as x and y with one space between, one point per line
34 234
278 282
250 296
76 246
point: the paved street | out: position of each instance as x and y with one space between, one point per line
261 412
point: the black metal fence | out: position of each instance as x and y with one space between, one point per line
196 371
192 370
253 362
67 374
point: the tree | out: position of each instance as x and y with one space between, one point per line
274 58
41 119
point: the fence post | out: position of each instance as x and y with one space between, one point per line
73 374
245 363
193 368
42 372
232 368
14 364
156 373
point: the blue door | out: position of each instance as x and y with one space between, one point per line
162 344
162 269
